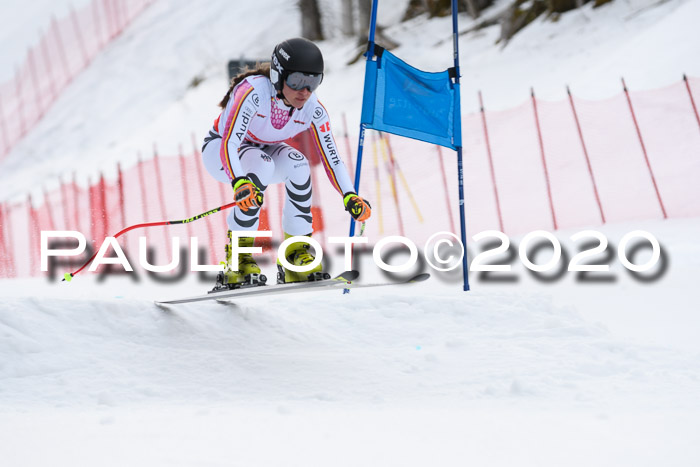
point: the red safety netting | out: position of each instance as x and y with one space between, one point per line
573 164
65 49
671 137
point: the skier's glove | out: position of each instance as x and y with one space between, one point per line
358 208
246 194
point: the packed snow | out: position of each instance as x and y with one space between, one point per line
538 373
534 370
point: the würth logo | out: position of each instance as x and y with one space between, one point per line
325 127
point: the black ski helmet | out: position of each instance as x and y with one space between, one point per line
297 54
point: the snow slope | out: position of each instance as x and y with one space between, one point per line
138 92
526 372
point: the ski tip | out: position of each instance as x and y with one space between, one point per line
348 276
420 278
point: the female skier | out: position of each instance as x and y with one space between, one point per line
246 148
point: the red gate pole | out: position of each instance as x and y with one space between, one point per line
544 160
491 167
102 192
585 153
692 101
120 193
120 188
161 196
142 187
92 222
644 149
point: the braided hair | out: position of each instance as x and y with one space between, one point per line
260 69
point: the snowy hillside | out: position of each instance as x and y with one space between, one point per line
22 24
526 369
138 92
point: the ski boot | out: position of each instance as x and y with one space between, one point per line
248 273
297 253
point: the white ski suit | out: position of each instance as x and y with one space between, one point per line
247 140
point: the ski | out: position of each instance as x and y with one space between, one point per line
340 281
339 286
415 279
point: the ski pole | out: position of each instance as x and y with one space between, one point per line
362 231
69 275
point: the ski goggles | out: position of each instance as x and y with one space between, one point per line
298 80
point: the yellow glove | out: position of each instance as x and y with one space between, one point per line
358 208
